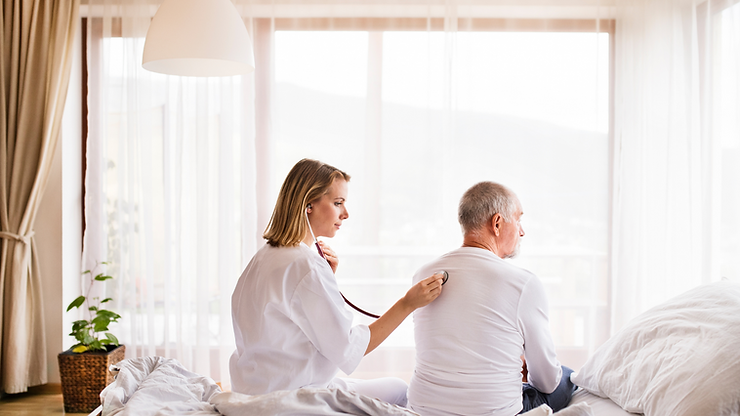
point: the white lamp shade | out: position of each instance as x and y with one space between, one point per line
201 38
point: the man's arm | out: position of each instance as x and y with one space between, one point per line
542 365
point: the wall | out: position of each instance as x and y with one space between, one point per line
59 226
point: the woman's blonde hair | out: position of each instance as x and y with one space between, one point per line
307 181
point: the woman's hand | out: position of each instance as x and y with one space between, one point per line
330 255
424 292
420 294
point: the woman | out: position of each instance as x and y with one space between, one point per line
291 325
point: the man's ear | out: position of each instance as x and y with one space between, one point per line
496 222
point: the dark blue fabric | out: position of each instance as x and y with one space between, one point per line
558 399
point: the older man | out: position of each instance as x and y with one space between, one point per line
471 339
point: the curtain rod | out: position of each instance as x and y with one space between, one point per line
380 11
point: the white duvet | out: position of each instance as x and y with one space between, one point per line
157 386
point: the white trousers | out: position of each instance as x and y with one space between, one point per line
388 389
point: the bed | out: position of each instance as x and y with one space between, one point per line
679 358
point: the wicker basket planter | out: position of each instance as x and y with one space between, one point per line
85 375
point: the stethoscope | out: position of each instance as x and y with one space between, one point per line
444 274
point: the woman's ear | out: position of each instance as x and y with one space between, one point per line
308 208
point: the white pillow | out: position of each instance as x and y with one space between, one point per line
678 358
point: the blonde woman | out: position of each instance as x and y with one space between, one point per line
291 325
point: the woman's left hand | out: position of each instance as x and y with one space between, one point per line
330 255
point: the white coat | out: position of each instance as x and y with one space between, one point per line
291 326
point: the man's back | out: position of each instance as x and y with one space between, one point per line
470 339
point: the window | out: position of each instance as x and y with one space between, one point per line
415 129
415 114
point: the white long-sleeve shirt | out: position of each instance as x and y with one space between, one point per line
470 339
291 326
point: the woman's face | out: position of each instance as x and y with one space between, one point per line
328 212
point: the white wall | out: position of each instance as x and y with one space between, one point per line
59 226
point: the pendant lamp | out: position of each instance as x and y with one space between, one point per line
201 38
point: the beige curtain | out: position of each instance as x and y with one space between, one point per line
36 38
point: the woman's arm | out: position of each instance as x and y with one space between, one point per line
421 294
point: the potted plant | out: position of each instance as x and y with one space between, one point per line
84 367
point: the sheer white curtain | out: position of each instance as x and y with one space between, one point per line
170 193
674 60
724 125
616 123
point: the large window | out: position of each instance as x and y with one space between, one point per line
187 170
415 128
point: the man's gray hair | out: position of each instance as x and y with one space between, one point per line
481 202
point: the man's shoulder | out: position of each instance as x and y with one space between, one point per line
518 270
483 261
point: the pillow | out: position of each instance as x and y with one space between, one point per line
678 358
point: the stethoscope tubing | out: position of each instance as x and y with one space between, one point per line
352 305
321 253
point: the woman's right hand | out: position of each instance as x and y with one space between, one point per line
420 294
424 292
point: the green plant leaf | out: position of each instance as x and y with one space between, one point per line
108 314
100 323
100 327
112 338
88 339
79 349
77 325
102 277
76 303
106 300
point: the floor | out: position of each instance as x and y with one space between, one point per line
27 404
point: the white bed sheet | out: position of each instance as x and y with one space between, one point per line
157 386
150 386
599 405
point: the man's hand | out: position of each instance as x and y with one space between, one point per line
524 370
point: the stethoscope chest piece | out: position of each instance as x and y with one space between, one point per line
445 276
